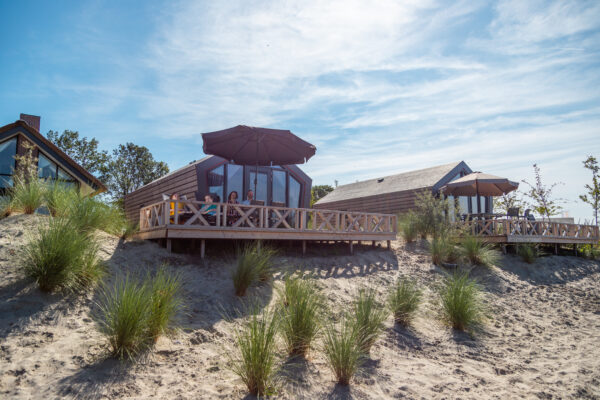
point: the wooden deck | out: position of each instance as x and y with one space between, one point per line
191 220
524 231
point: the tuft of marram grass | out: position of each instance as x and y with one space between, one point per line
253 265
60 257
342 350
59 198
300 314
476 251
256 365
442 250
408 226
6 207
404 301
27 196
461 303
369 317
166 301
528 252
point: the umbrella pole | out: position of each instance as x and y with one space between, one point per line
478 197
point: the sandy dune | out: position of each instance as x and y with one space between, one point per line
542 339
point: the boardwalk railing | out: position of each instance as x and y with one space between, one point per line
521 230
202 215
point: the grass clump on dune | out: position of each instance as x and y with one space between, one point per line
166 301
342 350
461 301
442 250
528 252
6 207
256 344
59 198
300 314
404 301
253 265
369 317
408 226
60 257
27 195
476 251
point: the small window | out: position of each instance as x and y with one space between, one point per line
47 168
8 150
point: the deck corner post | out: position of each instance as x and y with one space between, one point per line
304 247
372 243
555 248
258 246
169 245
575 249
389 244
202 248
351 248
503 248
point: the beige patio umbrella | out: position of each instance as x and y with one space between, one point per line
479 184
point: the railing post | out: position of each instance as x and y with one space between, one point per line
176 212
166 213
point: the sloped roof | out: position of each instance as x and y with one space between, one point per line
422 178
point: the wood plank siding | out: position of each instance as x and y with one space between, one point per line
184 181
387 203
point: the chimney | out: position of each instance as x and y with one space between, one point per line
31 120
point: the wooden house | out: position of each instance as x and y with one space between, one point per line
53 163
283 186
396 194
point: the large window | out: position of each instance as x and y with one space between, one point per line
279 186
47 169
215 182
8 150
235 180
294 193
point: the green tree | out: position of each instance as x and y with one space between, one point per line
592 197
508 200
84 151
542 201
318 192
131 167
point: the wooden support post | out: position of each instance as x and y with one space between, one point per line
575 249
202 248
258 246
389 244
304 247
359 242
503 248
556 248
373 243
169 246
351 248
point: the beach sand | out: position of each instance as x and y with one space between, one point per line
541 340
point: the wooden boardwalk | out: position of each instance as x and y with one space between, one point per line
183 219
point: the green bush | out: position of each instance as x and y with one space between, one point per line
528 252
166 301
442 250
300 314
60 257
589 251
256 344
59 198
124 313
404 301
252 265
476 251
461 301
369 317
408 226
342 350
27 195
90 214
432 215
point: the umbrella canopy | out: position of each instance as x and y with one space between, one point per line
258 146
479 184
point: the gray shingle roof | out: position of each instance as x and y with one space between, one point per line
411 180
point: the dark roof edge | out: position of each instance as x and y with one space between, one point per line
460 166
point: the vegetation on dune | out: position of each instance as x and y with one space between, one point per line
60 257
590 251
528 252
27 196
408 225
256 365
461 303
6 207
166 301
443 250
404 300
478 252
300 314
369 317
342 350
252 265
59 198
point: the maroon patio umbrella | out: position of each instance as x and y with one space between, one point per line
479 184
248 145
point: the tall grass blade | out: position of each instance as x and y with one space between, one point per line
342 350
477 252
166 301
404 301
369 317
461 301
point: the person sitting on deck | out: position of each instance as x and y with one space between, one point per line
209 209
180 207
232 214
249 198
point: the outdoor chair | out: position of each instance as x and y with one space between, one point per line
513 212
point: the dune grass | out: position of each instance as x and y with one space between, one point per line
368 316
6 207
342 349
442 250
27 195
166 301
300 314
461 303
476 251
404 301
58 198
58 257
528 252
408 226
256 365
252 265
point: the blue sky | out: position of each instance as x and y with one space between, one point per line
379 87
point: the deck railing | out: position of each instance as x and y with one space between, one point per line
524 228
196 214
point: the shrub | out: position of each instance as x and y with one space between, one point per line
256 343
342 350
528 252
408 226
59 198
589 251
404 301
460 300
476 251
124 312
432 215
300 314
442 250
27 195
59 257
368 319
166 301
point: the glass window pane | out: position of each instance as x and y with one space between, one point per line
47 169
8 150
64 176
482 202
294 193
215 182
463 205
261 186
235 180
6 181
279 186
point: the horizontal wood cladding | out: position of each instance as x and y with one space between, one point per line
387 203
183 182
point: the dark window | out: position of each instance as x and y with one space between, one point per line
216 181
47 169
279 186
8 150
235 180
294 193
